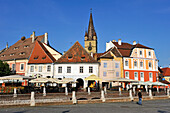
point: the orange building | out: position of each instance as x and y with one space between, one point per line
139 62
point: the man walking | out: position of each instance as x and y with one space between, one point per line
140 97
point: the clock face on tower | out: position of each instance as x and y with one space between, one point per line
89 48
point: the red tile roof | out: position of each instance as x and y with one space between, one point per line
76 54
166 71
20 50
40 55
125 48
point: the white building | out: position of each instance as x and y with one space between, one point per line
76 63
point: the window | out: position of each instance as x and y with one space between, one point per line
150 65
140 53
40 68
22 53
141 64
68 69
117 74
142 76
16 48
32 69
105 65
135 64
21 66
60 69
104 74
136 74
126 74
149 53
3 56
26 46
13 67
12 54
48 68
116 65
150 75
126 63
81 69
90 69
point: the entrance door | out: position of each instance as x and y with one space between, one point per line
80 83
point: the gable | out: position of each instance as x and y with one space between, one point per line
76 54
40 54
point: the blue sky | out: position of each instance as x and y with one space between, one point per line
146 21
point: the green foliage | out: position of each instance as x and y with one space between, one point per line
4 68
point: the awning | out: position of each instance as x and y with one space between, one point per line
92 77
44 80
121 80
15 77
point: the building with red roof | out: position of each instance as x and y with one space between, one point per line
76 63
41 61
139 61
17 55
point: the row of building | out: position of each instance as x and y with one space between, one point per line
35 57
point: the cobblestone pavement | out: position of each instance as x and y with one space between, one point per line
154 106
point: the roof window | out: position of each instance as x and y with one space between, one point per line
3 56
12 54
22 53
44 57
26 46
36 57
16 48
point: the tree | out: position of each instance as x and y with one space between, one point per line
4 68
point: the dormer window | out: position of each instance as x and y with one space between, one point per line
44 57
22 53
12 54
35 57
26 46
16 48
70 57
83 58
3 56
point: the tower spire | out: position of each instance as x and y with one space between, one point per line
91 29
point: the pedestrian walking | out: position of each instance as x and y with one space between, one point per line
140 97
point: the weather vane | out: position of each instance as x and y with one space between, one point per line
90 10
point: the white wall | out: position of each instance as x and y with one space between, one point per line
75 70
36 70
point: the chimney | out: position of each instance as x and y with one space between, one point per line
7 45
134 42
64 52
119 42
113 40
33 36
46 38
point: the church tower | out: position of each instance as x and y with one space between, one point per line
90 42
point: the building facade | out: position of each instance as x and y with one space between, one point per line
139 62
76 63
41 61
18 54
